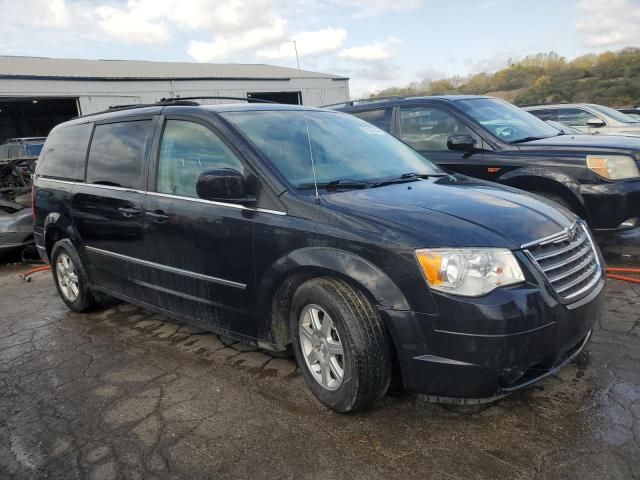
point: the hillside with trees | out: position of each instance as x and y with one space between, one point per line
610 78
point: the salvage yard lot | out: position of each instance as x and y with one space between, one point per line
126 393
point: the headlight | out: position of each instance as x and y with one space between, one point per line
613 167
469 271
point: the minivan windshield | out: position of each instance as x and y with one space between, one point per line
345 150
505 121
616 115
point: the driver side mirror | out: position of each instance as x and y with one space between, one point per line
595 122
223 185
461 142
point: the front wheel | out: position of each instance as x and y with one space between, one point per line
70 277
556 198
340 343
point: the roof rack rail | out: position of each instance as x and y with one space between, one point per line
542 104
351 103
210 97
185 101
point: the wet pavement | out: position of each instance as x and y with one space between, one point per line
125 393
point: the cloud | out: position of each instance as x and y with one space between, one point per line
609 24
367 53
223 46
133 25
431 74
369 8
491 64
309 43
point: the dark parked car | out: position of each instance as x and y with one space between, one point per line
597 177
281 225
17 161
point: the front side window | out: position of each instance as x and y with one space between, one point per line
65 151
545 114
504 121
379 118
187 150
427 128
574 117
339 146
117 154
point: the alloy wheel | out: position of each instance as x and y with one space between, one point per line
67 277
321 347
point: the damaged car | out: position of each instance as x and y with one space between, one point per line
18 158
286 226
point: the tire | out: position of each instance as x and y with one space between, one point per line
64 258
556 198
359 331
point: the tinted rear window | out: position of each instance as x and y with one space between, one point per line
117 154
65 151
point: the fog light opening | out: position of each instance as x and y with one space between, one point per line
629 223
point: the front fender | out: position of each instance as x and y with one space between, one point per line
541 177
330 260
275 290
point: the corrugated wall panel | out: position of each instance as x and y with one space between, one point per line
97 95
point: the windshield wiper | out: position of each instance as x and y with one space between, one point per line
405 177
527 139
335 184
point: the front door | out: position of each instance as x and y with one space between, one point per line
200 252
107 208
427 130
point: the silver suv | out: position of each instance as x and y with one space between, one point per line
588 118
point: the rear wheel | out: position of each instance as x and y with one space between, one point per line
70 277
340 344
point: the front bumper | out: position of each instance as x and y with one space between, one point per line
480 349
612 203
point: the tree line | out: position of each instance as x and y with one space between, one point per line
610 78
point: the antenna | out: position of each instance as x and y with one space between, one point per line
306 122
295 47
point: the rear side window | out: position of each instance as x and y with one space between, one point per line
117 154
379 118
187 150
65 151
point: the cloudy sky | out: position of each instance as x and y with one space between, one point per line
377 43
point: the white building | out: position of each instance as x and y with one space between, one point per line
38 93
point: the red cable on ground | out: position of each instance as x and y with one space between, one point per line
25 275
611 274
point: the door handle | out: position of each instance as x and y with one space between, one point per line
128 212
158 215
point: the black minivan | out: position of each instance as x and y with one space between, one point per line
282 225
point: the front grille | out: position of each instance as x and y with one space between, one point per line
568 260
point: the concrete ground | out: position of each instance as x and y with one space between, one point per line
125 393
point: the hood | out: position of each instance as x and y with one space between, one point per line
480 207
587 142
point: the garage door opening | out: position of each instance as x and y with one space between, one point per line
34 117
290 98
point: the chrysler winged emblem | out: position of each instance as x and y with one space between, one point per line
571 232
